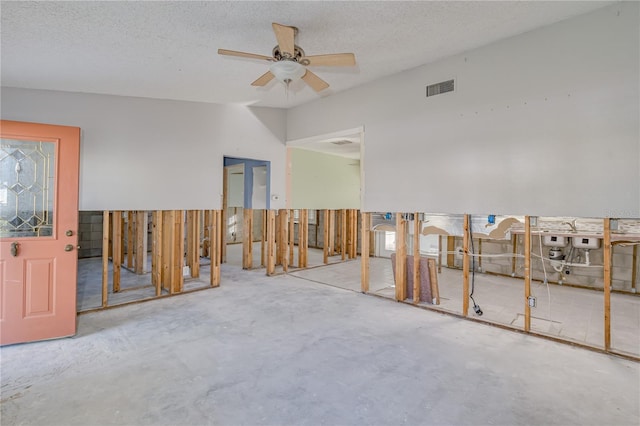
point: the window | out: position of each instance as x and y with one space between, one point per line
390 241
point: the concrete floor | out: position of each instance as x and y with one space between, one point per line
573 314
285 351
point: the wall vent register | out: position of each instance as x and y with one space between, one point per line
440 88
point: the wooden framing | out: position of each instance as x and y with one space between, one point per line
451 248
401 258
105 258
117 249
263 238
247 238
271 242
303 238
416 257
283 238
439 254
325 237
292 236
141 244
156 252
514 243
130 239
332 232
224 222
465 267
527 273
606 256
193 242
364 252
343 234
206 233
216 231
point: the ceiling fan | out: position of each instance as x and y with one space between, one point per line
289 62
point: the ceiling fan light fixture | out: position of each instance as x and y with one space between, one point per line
287 71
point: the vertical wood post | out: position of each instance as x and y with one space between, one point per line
303 238
224 221
527 272
206 236
364 255
216 232
465 268
607 282
247 238
177 280
263 238
130 239
142 223
325 237
292 236
105 258
195 241
284 238
451 247
343 233
271 242
514 249
156 252
439 253
117 249
401 258
435 289
416 257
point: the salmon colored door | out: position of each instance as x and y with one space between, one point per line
39 167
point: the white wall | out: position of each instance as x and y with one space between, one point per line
323 181
545 123
148 154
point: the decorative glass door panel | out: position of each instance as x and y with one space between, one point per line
39 173
27 179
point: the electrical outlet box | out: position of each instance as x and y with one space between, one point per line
532 302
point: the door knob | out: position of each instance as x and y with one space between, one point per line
68 247
14 248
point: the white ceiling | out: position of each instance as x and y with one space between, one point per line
168 50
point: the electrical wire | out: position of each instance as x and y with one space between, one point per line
476 307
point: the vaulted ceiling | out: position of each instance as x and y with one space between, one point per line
168 50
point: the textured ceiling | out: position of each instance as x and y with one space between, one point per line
168 49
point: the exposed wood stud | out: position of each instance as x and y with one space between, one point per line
142 223
416 257
465 268
167 244
225 211
178 258
401 258
283 214
195 244
332 232
117 249
206 235
247 239
279 241
607 282
263 238
343 233
451 247
303 238
105 258
271 242
325 237
216 232
364 258
156 252
433 275
527 273
292 236
122 236
130 239
480 254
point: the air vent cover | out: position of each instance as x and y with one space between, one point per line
440 88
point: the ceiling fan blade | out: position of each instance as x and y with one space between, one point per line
332 60
263 79
243 54
285 36
314 81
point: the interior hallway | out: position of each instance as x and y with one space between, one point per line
281 350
